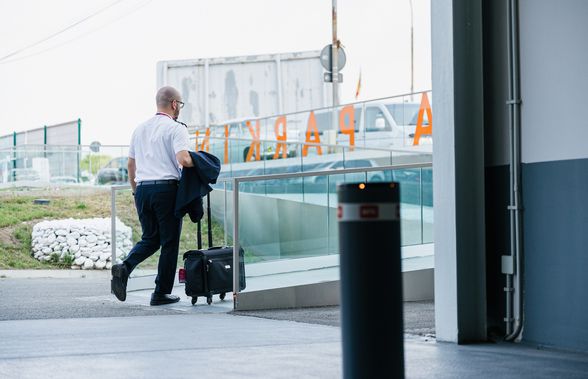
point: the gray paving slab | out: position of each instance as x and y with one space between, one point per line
74 328
419 316
189 345
227 346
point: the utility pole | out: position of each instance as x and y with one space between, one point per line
334 70
335 57
411 53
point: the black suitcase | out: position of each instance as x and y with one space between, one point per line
210 272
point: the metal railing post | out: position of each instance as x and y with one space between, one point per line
225 224
113 223
235 242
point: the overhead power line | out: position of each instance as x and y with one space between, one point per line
129 12
53 35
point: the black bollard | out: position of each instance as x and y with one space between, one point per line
371 280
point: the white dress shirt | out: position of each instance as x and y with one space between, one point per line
154 146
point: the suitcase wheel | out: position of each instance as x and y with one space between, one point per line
209 300
222 296
194 300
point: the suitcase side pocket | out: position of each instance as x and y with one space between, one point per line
194 265
220 274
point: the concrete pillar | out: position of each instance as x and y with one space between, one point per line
458 170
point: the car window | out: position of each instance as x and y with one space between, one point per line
357 163
323 121
405 113
375 120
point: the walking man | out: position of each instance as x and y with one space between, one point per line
158 148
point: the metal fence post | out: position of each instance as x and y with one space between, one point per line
113 223
235 242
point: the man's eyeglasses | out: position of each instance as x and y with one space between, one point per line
180 103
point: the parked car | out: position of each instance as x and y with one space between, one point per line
25 174
114 172
63 180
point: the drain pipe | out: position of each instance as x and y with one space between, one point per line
513 264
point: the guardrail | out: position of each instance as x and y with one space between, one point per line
235 200
236 180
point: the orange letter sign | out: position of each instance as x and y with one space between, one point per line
205 141
348 128
226 144
281 137
420 129
255 144
310 130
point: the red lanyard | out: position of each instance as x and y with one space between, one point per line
163 114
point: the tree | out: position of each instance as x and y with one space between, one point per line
94 162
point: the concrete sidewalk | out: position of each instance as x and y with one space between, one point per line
228 346
74 328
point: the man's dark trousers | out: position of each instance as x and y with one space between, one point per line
155 205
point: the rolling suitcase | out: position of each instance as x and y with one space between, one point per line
210 272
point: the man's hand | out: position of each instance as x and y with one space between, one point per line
184 158
132 168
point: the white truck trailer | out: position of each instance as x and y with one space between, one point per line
219 89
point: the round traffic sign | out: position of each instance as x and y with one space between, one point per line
326 54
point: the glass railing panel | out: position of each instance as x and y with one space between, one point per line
129 230
428 213
112 166
282 225
410 204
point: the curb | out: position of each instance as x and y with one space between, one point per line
57 274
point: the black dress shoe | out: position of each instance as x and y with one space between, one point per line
162 298
118 283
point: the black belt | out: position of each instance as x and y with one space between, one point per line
150 182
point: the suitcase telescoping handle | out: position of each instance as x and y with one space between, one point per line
208 220
199 230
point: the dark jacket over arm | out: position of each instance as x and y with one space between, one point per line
195 184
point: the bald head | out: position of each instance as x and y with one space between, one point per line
165 101
165 96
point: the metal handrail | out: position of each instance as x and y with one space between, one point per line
311 144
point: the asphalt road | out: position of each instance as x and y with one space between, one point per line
59 298
51 298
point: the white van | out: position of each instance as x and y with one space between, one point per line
376 124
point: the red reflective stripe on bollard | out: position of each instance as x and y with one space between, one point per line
368 212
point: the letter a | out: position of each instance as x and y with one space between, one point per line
420 129
310 130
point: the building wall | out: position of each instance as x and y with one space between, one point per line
555 167
496 140
555 172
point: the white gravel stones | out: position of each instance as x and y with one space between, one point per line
85 242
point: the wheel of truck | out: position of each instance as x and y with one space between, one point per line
209 300
222 295
194 300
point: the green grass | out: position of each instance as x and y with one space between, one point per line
15 210
16 254
18 214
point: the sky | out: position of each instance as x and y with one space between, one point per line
103 70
